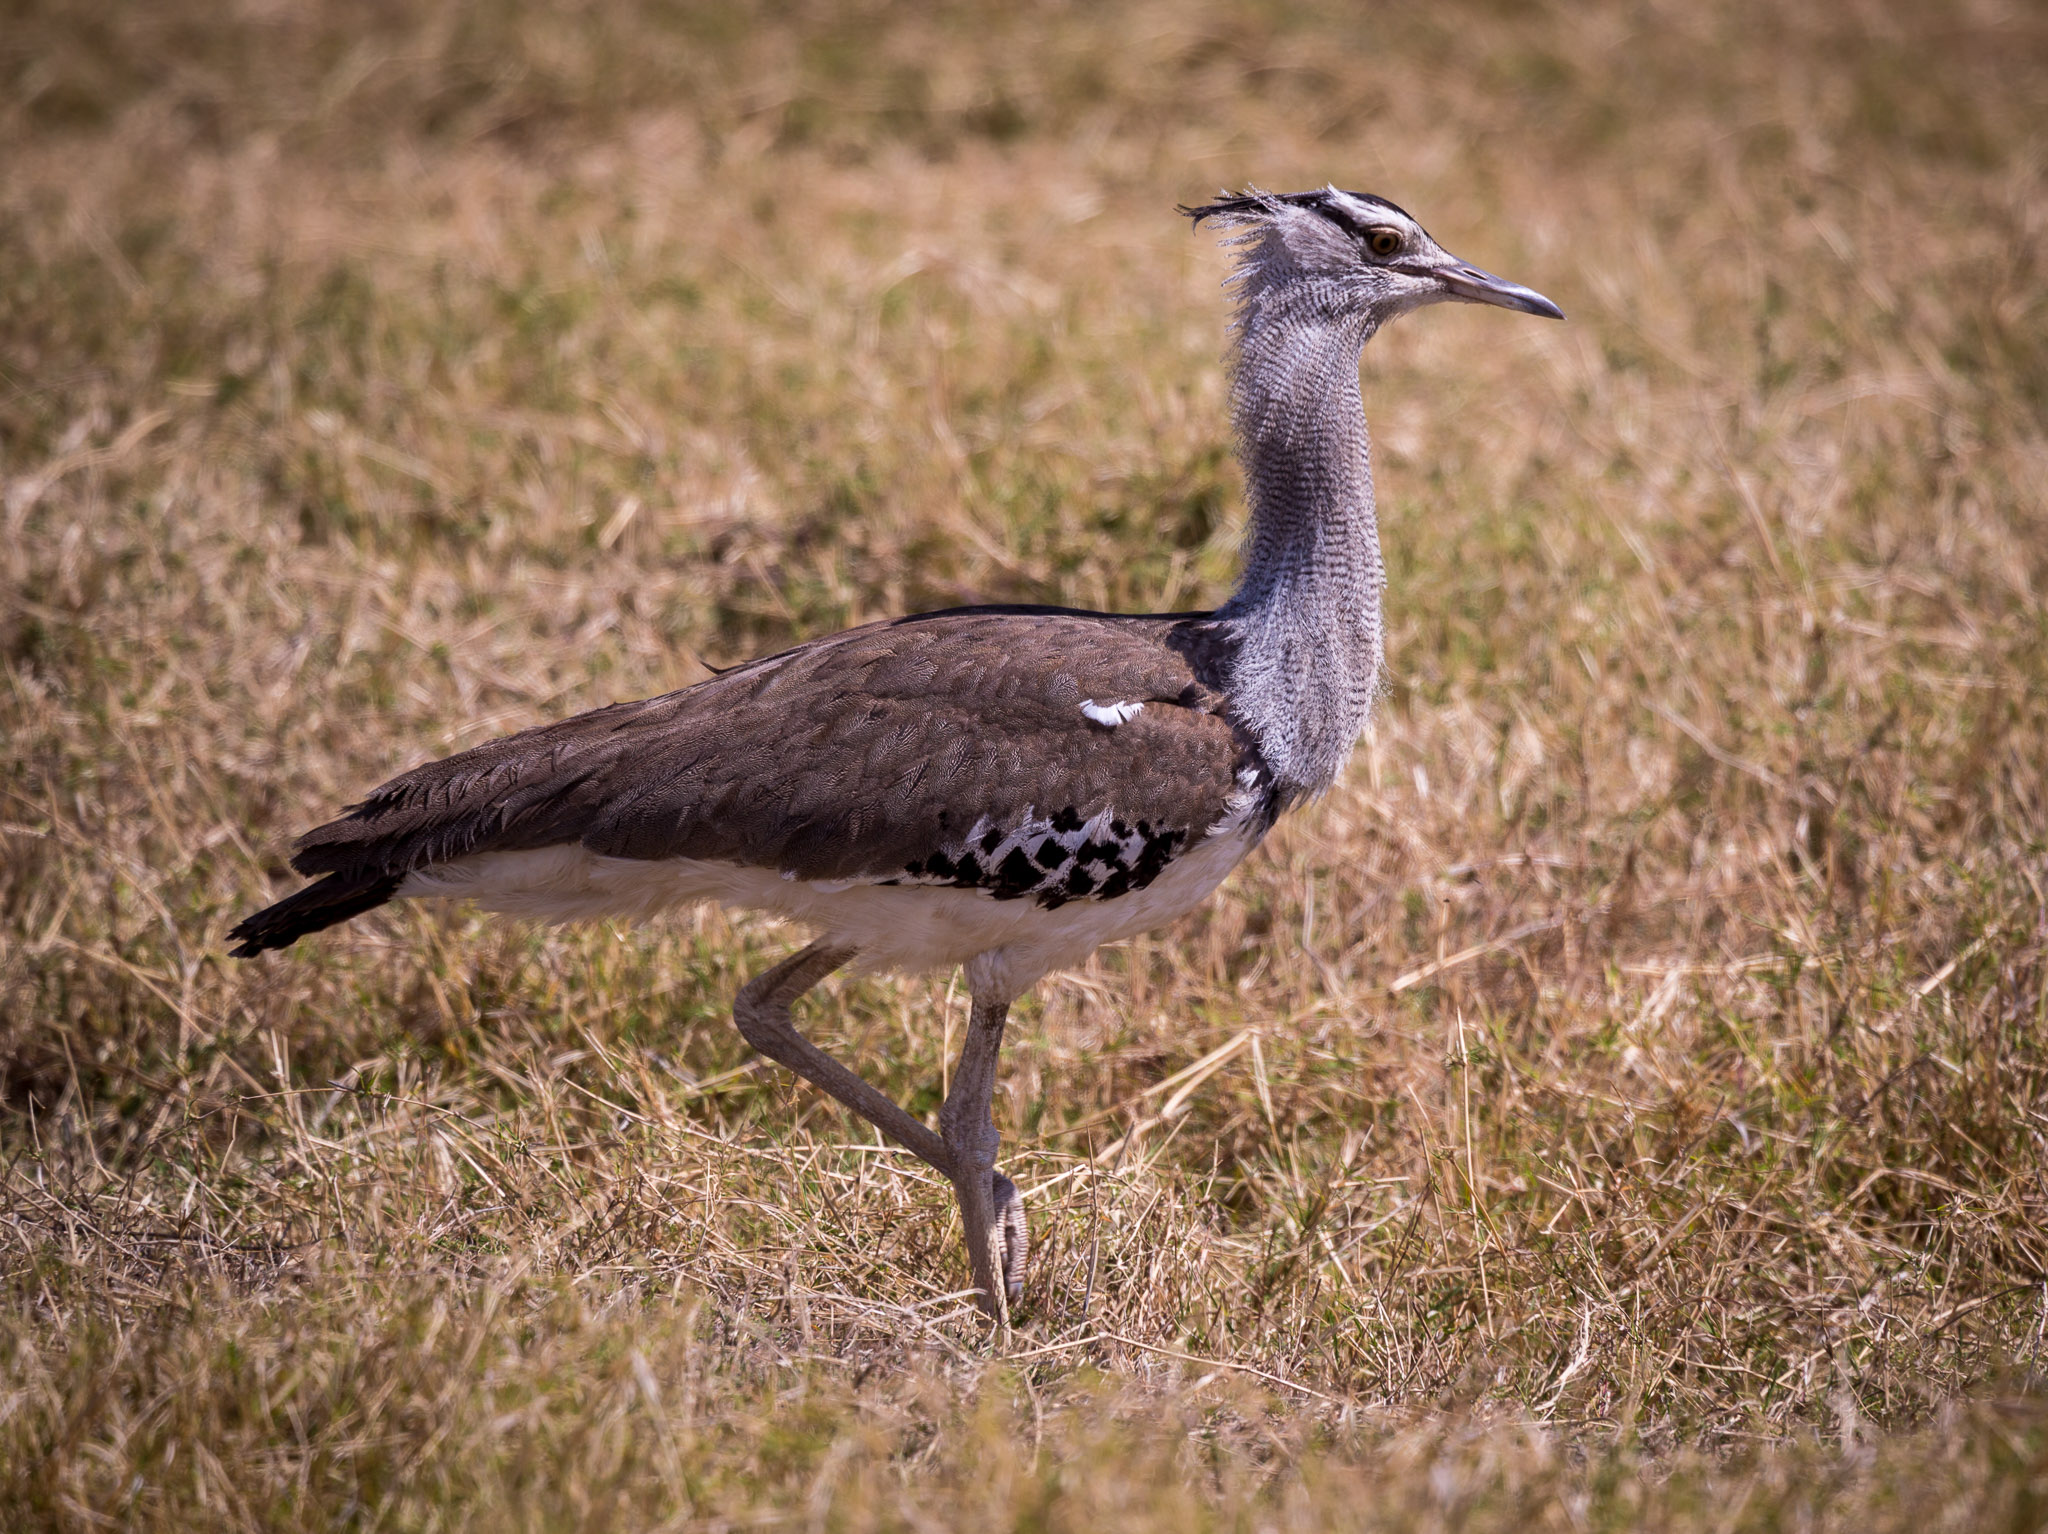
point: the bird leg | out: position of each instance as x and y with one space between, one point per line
990 1209
762 1011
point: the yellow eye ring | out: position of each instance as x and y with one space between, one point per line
1383 242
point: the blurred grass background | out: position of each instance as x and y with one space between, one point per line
1620 1103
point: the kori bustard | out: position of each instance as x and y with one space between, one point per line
1004 788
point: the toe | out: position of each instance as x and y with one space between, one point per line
1012 1235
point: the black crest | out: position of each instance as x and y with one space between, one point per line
1251 203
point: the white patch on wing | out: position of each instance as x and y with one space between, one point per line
1111 714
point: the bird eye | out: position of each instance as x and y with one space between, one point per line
1383 242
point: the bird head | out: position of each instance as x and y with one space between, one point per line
1355 253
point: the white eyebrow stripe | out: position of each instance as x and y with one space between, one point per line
1111 714
1372 213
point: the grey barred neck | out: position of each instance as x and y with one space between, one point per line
1307 609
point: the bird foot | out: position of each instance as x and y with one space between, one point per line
1012 1235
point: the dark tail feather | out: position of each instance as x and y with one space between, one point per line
328 903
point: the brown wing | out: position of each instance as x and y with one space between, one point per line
877 753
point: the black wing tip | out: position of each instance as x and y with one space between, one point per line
335 899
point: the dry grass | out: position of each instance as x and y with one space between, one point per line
1628 1087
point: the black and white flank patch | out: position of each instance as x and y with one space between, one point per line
1052 858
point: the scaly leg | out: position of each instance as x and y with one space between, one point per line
990 1210
762 1011
989 1205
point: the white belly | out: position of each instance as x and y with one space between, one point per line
903 927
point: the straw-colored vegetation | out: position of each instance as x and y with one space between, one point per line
1620 1102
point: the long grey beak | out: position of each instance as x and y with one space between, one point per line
1470 285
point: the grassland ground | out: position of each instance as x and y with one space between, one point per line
1620 1103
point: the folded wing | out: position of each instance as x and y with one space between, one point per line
889 753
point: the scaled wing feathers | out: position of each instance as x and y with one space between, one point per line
852 756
